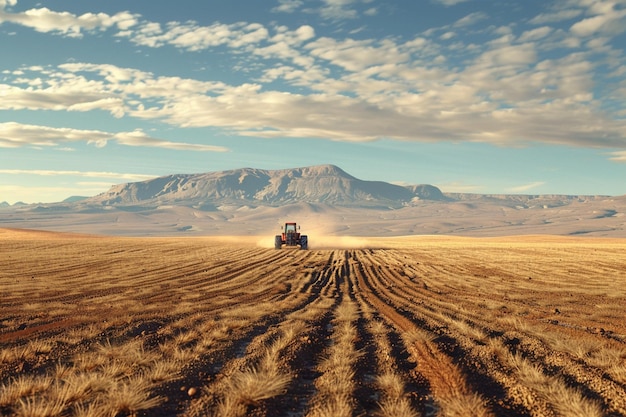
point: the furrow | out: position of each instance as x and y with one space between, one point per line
447 384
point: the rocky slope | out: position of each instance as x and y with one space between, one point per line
325 199
326 184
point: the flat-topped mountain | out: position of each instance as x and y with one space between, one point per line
324 199
326 184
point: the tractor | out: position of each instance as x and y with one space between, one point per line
291 237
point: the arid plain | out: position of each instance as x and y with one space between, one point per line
405 326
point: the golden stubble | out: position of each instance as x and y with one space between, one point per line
101 326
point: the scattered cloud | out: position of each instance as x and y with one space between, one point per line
535 34
139 138
606 19
50 193
459 187
505 97
338 9
372 11
5 3
193 37
556 16
526 187
449 2
69 185
471 19
14 135
618 156
448 35
598 17
288 6
84 174
65 23
506 91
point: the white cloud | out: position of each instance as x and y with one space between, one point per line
283 45
471 19
139 138
356 55
14 135
47 194
189 35
287 6
504 97
526 187
609 23
506 90
5 3
556 16
343 9
46 20
57 92
459 187
605 19
69 185
82 174
296 37
193 37
338 9
508 54
446 36
618 156
372 11
449 2
535 34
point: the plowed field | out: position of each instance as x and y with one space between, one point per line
419 326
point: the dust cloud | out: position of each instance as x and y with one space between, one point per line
324 232
323 242
338 242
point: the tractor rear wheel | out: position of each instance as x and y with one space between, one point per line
278 242
304 242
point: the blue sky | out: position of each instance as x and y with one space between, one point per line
511 96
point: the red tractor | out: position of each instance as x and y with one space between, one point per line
291 237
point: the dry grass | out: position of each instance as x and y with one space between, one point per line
105 326
39 407
465 406
395 402
336 385
567 401
249 387
263 376
129 396
21 387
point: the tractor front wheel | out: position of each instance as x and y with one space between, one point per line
278 242
304 242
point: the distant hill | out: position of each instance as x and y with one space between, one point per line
322 184
324 199
4 204
74 199
326 184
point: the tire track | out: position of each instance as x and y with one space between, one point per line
226 395
447 384
480 341
427 330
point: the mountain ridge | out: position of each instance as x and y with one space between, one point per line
326 184
324 198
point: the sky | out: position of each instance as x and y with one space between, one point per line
476 96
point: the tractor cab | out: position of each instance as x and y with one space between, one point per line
290 228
